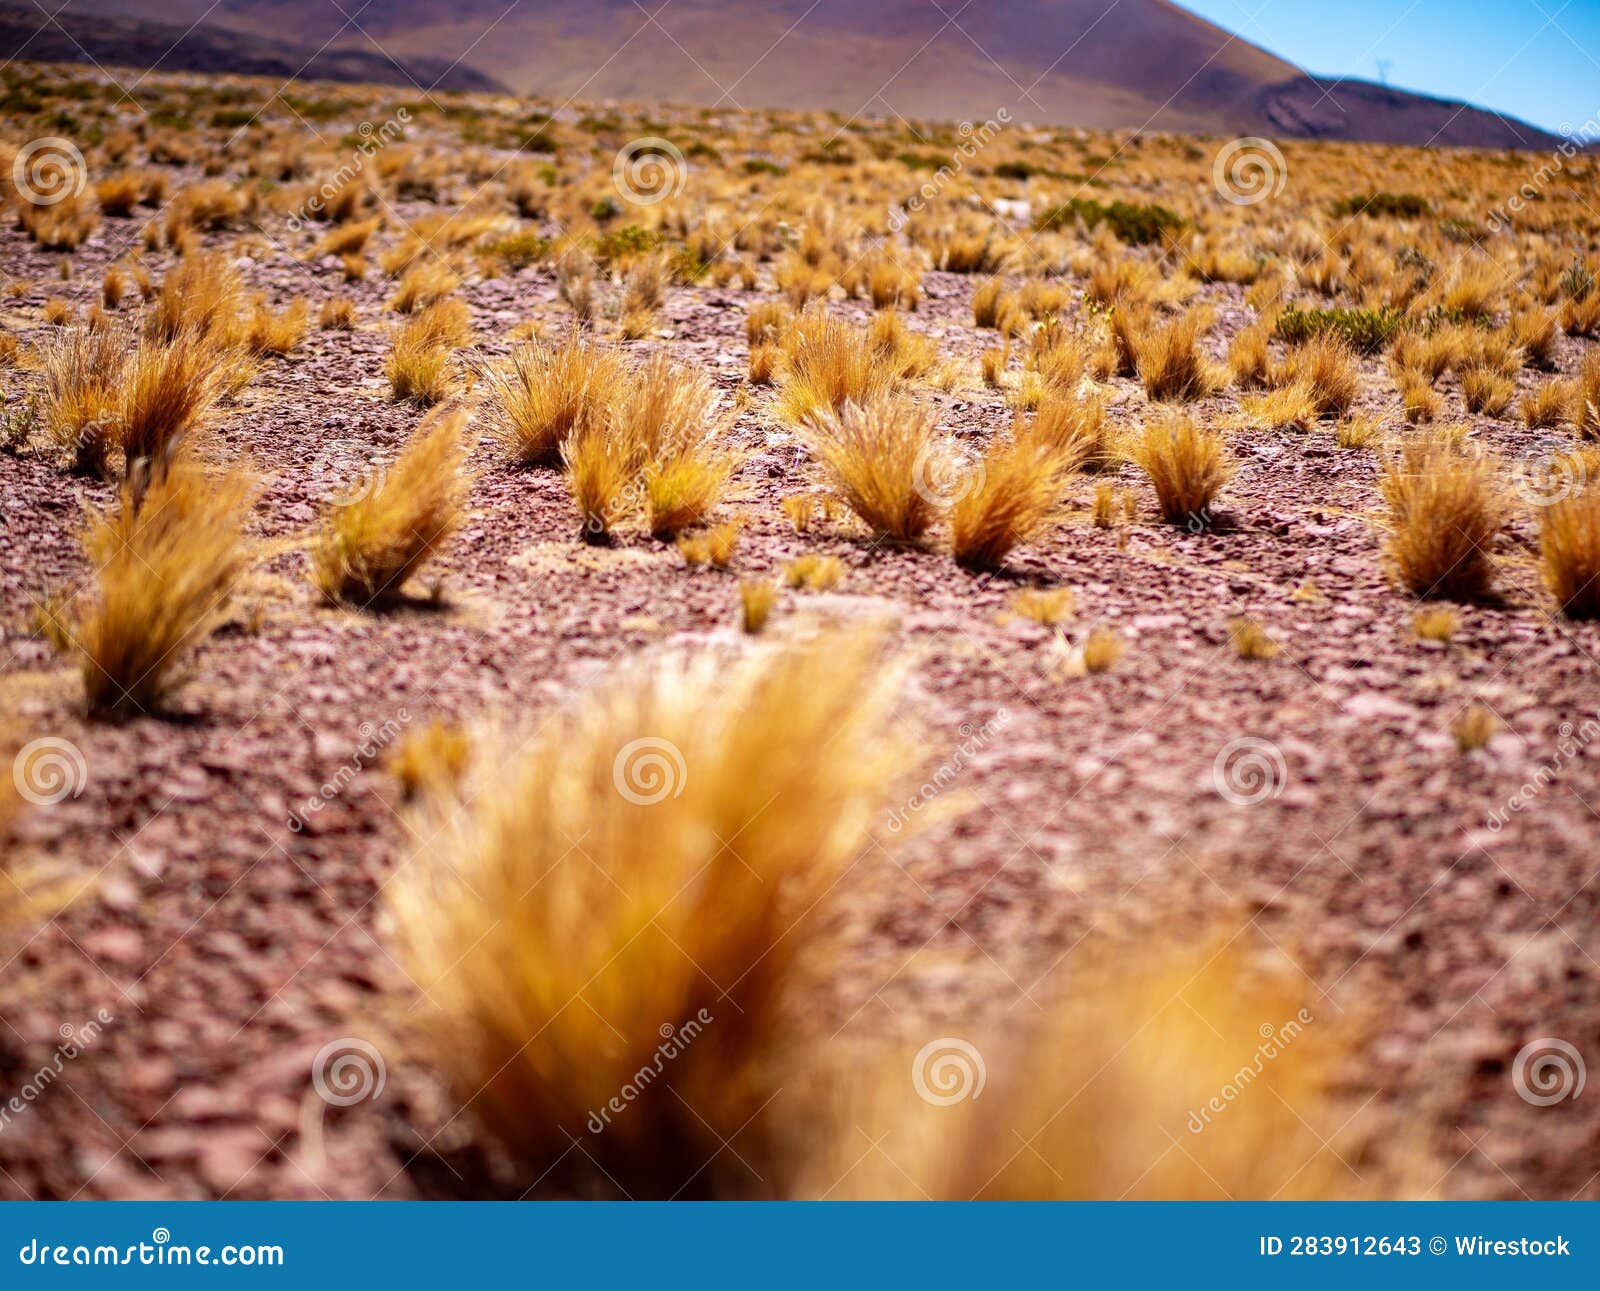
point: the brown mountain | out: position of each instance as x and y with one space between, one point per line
1109 63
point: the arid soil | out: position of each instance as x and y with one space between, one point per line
230 933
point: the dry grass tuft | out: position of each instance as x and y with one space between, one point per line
1102 649
1017 493
887 461
1048 606
1171 364
370 545
1089 1101
1187 465
541 1020
827 364
166 558
546 394
430 761
813 572
1569 549
1446 508
757 598
1437 623
1474 726
1252 641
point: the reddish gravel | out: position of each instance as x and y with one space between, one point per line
229 947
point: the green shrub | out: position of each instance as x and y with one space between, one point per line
1136 223
1366 330
1406 206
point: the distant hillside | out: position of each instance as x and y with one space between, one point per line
1145 64
76 36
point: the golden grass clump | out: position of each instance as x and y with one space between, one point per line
1546 406
1436 623
424 284
1044 605
201 294
1474 726
1200 1073
80 396
430 760
1329 368
1586 398
827 364
887 461
713 547
757 597
1014 494
1187 465
1446 507
1102 650
371 544
710 836
270 333
166 557
1251 640
1170 362
1569 550
1486 391
544 394
169 389
814 572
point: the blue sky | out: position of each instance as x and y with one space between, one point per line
1534 59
